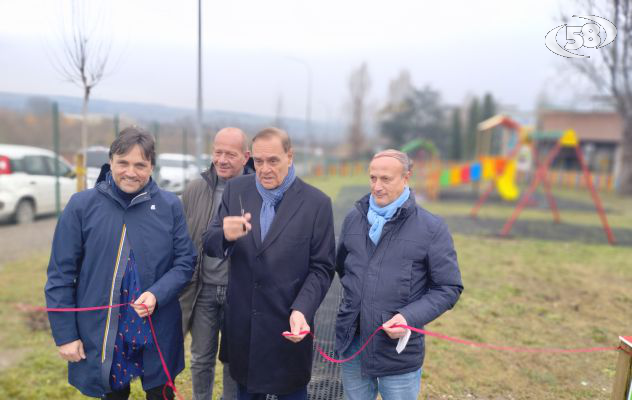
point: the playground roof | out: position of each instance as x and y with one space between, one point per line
498 120
418 143
589 126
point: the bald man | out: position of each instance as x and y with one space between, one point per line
397 266
203 301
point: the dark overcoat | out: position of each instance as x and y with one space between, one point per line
290 270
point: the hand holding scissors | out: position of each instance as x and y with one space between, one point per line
236 227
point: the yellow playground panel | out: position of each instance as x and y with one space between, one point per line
501 169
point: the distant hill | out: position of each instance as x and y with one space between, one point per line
148 112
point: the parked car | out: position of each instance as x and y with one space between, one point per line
175 171
27 182
96 156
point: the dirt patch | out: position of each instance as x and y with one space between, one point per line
9 357
36 319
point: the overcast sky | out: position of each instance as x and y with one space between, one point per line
256 50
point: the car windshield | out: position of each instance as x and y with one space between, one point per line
173 163
95 159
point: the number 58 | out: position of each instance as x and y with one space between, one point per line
582 36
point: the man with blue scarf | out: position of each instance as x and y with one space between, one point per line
397 266
278 233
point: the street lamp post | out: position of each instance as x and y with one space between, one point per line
308 101
198 122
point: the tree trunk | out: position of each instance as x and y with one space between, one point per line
357 136
625 172
84 140
84 123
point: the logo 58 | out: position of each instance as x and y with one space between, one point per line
594 35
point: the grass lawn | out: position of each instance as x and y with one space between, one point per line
536 294
517 293
331 185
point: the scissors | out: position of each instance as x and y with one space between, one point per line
241 205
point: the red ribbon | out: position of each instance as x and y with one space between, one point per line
153 334
338 361
456 340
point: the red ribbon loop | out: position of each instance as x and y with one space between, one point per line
457 340
153 334
338 361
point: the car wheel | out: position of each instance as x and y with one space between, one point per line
24 212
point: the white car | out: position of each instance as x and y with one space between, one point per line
27 182
96 156
176 170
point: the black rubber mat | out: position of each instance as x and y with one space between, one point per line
326 383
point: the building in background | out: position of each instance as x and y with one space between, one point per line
600 134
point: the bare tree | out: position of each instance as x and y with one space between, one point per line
400 90
359 85
84 56
609 69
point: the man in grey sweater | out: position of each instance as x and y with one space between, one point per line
203 301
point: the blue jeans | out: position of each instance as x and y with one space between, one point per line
206 324
393 387
300 394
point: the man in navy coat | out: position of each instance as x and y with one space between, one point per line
278 232
397 266
124 241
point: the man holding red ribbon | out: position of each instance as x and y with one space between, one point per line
123 242
397 266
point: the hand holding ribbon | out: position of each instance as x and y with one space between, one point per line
298 326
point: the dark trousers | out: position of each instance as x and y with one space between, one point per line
151 394
206 323
300 394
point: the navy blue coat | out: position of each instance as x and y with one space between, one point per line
291 270
413 270
90 248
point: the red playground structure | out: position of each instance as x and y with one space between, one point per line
569 139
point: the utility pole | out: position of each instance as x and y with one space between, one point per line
116 125
308 101
198 122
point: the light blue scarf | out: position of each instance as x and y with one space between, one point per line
378 216
271 198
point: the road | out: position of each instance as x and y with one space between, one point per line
20 241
